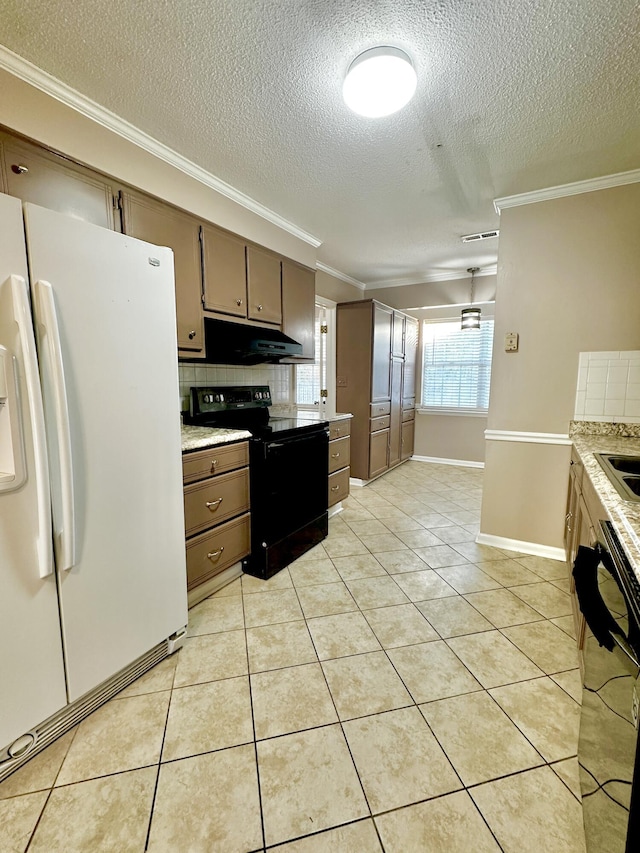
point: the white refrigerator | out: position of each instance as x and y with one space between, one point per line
92 556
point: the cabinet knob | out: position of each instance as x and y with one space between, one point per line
334 488
259 307
335 455
213 505
19 169
213 555
238 302
214 462
192 334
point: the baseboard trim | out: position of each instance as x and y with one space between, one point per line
441 460
532 548
527 437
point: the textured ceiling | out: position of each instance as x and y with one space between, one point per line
513 96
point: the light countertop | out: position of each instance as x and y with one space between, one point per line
199 438
624 515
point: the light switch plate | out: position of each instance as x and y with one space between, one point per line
511 342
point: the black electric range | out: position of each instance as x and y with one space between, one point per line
289 467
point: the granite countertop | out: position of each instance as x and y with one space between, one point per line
308 415
198 438
625 515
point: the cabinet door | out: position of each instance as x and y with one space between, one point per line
397 346
408 438
224 272
299 307
264 288
396 411
381 353
410 358
164 225
378 452
48 180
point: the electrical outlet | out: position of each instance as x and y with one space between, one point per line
511 342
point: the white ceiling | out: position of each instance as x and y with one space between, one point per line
513 96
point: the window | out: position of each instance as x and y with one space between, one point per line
312 381
456 366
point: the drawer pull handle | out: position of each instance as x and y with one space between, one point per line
213 555
334 488
337 430
213 505
214 462
335 455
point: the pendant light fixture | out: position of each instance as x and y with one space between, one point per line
379 82
470 317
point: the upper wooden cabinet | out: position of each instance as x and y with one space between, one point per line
51 181
397 341
160 223
264 286
240 280
299 307
224 271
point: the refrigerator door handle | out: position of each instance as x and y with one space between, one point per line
24 322
51 352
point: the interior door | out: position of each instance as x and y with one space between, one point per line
31 664
125 590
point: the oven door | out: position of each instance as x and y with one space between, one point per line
608 744
288 484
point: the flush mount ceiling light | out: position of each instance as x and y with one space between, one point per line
470 317
379 82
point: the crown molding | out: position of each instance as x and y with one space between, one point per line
454 275
592 185
29 73
342 276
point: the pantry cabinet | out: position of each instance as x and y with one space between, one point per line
374 346
156 222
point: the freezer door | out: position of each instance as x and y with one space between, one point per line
32 685
105 322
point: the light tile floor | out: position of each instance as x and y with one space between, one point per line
399 688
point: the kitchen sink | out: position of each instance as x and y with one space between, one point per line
623 472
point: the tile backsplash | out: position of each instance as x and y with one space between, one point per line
608 387
279 377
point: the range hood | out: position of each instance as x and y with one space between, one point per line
234 343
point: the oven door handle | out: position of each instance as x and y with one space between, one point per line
622 644
314 436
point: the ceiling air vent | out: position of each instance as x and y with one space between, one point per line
483 235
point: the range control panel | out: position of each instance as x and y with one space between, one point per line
227 398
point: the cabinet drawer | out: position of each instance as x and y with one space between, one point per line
199 464
378 409
215 500
338 486
408 415
376 424
338 453
338 429
211 553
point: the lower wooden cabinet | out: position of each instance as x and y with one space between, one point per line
216 511
210 553
378 452
339 460
407 439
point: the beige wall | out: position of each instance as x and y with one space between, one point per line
450 437
567 283
38 116
454 292
330 287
